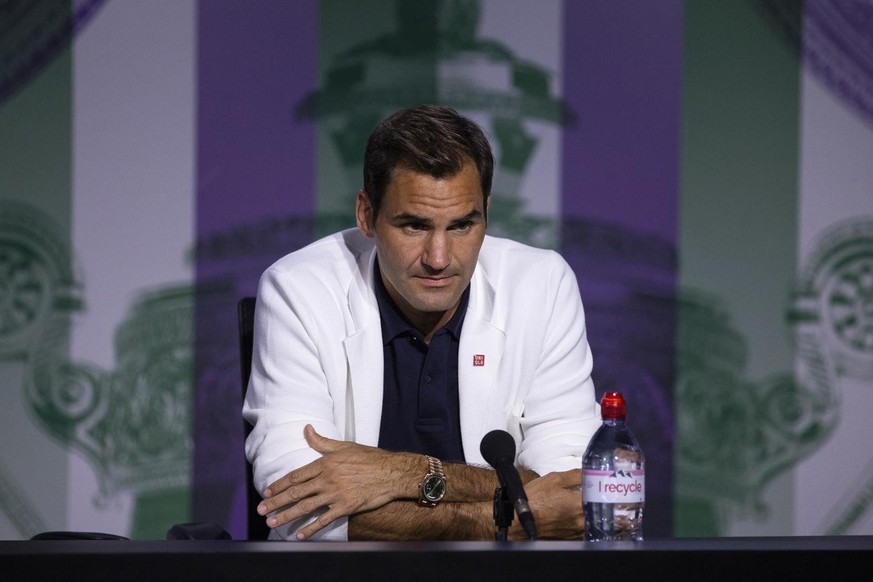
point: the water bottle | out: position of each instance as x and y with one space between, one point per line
613 477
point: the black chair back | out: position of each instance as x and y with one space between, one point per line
257 526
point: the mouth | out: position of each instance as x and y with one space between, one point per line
436 282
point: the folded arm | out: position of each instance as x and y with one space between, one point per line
378 491
555 502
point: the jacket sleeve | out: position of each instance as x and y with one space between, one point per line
287 390
560 412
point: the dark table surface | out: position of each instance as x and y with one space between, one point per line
766 558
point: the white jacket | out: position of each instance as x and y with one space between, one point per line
318 359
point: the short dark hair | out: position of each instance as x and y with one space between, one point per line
430 139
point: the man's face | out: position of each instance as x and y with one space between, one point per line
428 234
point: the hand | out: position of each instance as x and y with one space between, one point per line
349 478
556 502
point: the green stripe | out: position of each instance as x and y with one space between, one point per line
35 193
738 231
359 51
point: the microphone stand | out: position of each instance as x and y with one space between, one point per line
502 513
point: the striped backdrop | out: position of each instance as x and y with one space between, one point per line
704 166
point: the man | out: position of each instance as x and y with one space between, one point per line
384 354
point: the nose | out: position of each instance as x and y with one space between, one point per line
437 252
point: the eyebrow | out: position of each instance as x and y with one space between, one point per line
471 216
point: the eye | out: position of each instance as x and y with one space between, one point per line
463 226
414 227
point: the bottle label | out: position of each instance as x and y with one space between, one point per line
618 486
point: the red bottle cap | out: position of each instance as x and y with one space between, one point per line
612 406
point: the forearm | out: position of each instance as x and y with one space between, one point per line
468 483
407 520
356 480
466 513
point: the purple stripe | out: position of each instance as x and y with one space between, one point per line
622 84
254 159
622 79
255 198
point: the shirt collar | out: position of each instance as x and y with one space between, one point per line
394 323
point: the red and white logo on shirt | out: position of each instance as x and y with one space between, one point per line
478 359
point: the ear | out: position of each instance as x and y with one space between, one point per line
364 214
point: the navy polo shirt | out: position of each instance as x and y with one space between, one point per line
420 410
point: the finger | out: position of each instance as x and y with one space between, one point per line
301 509
319 523
303 474
320 443
288 497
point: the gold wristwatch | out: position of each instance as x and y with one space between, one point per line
432 488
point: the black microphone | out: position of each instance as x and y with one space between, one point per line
498 448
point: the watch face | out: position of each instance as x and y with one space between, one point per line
434 488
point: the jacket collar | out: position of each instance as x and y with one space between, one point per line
479 354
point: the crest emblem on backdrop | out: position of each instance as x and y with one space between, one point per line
33 33
132 423
832 317
434 56
836 41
